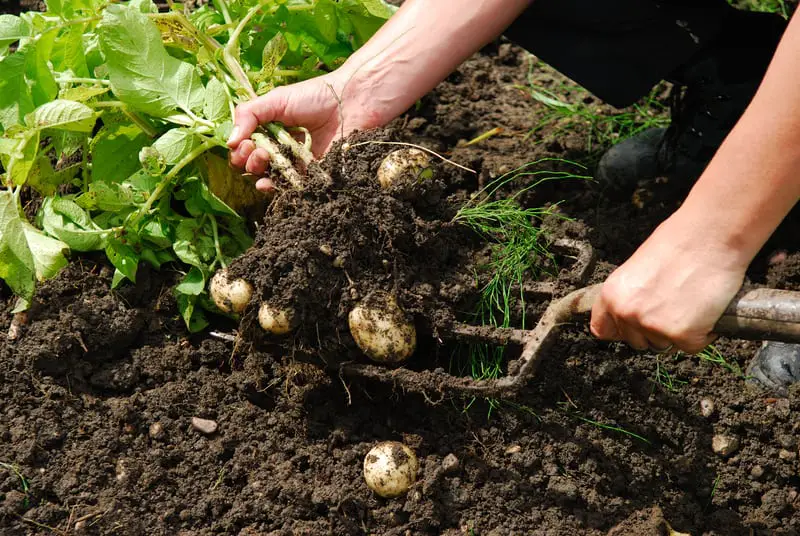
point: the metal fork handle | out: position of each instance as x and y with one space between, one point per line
762 313
759 314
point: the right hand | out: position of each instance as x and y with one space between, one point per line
313 104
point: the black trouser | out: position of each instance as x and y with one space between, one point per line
620 49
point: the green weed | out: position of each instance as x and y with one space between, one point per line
22 480
565 406
665 379
601 129
519 253
712 355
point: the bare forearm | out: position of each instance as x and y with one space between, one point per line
419 46
754 180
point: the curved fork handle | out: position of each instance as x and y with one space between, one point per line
760 314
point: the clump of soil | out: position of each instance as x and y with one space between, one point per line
322 250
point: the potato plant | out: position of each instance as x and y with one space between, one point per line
117 115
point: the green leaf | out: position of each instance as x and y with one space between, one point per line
193 284
65 142
176 144
46 180
192 315
37 71
123 257
68 222
194 244
115 152
83 93
26 254
158 233
217 104
271 57
12 29
68 53
16 100
62 115
109 197
200 200
142 73
22 158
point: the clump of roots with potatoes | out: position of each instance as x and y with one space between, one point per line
364 259
357 259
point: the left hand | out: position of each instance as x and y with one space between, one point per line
670 293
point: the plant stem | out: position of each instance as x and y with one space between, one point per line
278 160
169 177
215 230
72 80
222 6
284 138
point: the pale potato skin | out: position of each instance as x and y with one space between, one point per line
382 330
403 164
390 469
230 296
276 321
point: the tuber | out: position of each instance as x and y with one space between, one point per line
390 469
276 321
381 329
230 296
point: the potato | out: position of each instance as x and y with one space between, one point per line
404 166
390 469
276 321
230 296
382 330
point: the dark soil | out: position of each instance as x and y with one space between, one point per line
98 391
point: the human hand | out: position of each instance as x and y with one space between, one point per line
670 293
313 104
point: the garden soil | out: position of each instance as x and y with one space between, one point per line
100 390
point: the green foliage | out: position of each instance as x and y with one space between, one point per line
117 116
519 253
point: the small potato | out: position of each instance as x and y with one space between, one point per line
276 321
390 469
382 330
230 296
404 166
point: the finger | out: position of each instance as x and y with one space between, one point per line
258 162
657 342
258 111
633 336
603 326
241 154
265 185
695 346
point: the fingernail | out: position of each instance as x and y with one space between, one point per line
234 134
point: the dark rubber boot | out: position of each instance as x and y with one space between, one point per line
711 93
632 160
775 366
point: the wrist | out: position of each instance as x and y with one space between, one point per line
702 235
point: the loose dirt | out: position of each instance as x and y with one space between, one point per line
98 392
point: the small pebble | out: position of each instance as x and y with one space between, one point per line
325 249
787 455
707 407
786 441
451 464
724 445
156 431
513 449
757 472
204 426
80 525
